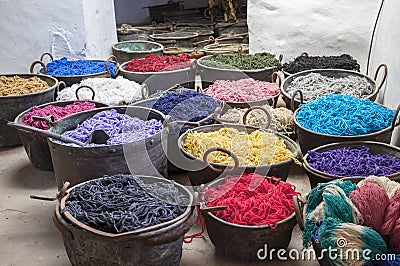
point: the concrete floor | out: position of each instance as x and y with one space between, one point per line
29 237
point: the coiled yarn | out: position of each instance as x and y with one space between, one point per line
64 67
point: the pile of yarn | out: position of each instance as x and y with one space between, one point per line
243 90
108 91
252 149
64 67
11 86
158 63
267 204
353 161
242 61
302 63
315 85
57 112
124 203
348 217
344 115
121 128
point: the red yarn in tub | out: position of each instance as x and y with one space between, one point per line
156 63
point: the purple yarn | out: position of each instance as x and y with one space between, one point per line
121 128
353 161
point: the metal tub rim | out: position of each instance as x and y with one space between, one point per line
159 49
189 35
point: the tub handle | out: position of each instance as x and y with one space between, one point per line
293 96
230 153
59 195
41 63
395 118
257 108
144 90
85 86
64 231
48 54
116 66
299 210
274 77
280 58
61 84
385 73
48 119
304 54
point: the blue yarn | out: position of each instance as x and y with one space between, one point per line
64 67
344 115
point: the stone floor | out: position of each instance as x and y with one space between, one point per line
29 237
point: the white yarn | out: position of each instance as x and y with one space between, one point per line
107 91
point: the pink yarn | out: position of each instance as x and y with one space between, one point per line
371 200
57 111
391 226
395 237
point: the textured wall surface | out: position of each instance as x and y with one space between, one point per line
74 28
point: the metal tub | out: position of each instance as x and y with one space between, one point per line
128 50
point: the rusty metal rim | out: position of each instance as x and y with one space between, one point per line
72 219
306 72
122 69
41 76
335 145
296 154
159 49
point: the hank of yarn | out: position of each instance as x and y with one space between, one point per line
391 225
391 187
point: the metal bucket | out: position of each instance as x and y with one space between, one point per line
183 39
309 140
161 245
209 75
242 241
126 51
202 172
335 73
204 32
161 80
79 164
226 48
317 176
35 145
70 80
11 106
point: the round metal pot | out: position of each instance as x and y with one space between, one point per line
128 50
335 73
226 48
11 106
317 176
183 39
79 164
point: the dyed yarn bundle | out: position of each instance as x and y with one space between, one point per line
344 115
315 85
242 61
269 203
57 112
157 63
124 203
108 91
121 128
302 63
10 86
64 67
353 161
252 149
282 118
243 90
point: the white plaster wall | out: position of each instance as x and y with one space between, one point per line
30 27
320 27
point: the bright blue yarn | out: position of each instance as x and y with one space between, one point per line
344 115
64 67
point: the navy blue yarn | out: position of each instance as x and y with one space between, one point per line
64 67
123 203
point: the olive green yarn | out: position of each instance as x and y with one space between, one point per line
242 61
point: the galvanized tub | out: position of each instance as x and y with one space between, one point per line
161 80
161 245
209 75
244 242
184 39
204 32
226 48
79 164
35 145
336 73
126 51
70 80
201 172
309 140
11 106
317 176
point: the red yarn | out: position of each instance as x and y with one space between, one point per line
371 200
269 203
57 111
156 63
199 220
